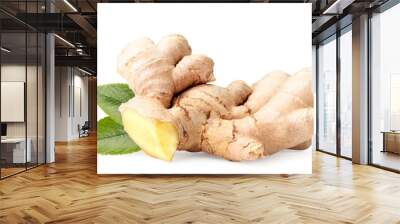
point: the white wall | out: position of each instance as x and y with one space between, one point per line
16 73
69 82
79 117
62 82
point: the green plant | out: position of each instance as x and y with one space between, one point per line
111 96
111 137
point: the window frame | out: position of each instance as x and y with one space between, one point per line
334 37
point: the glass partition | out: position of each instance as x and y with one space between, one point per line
327 96
346 93
14 155
22 101
32 96
385 89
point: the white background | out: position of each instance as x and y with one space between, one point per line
246 41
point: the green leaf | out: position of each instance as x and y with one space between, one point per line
112 139
111 96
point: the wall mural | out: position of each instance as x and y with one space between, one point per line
204 94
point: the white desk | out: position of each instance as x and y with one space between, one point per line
19 155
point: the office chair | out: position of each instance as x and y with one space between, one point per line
84 130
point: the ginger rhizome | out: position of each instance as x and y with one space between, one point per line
175 109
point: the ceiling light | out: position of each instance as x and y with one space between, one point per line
5 50
79 51
84 71
64 40
338 6
70 5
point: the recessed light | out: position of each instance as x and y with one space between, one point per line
338 6
84 71
64 40
70 5
5 49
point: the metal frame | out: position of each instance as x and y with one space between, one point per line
338 34
369 78
316 97
387 5
317 93
338 75
26 90
45 89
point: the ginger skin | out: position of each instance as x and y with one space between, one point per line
284 121
237 122
160 71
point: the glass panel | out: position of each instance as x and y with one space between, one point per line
23 90
327 96
31 99
394 102
346 94
13 86
32 88
385 115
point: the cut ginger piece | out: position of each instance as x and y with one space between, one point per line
156 138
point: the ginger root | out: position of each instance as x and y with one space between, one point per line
284 121
237 122
162 70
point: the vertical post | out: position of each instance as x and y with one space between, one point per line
0 98
315 89
338 76
37 90
50 92
26 88
360 90
370 98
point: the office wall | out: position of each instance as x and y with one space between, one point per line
71 102
15 72
62 85
80 102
